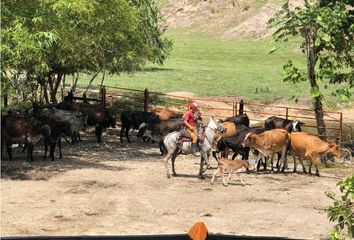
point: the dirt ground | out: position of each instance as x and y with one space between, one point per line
118 188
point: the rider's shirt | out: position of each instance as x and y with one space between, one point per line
189 117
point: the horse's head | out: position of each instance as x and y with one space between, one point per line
216 125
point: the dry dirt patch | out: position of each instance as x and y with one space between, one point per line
120 188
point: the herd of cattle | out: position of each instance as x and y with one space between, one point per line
67 119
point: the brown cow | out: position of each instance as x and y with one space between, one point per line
20 129
166 114
311 147
98 116
268 143
230 129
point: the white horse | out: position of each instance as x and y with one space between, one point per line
171 147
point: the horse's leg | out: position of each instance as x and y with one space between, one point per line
214 155
165 160
173 159
201 171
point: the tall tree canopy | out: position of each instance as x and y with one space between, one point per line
326 28
44 40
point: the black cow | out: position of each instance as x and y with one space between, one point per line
278 122
238 119
156 131
53 129
133 119
220 144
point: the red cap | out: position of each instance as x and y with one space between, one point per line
193 105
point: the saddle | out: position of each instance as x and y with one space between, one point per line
184 135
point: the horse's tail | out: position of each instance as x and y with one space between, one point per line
162 147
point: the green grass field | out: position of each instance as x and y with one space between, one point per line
211 67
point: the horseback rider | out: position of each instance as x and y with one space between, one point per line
190 122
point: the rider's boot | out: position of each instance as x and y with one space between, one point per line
195 149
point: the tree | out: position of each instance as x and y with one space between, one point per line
43 40
326 28
342 210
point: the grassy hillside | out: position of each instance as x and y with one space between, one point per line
209 64
212 67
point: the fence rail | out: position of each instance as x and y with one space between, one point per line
225 108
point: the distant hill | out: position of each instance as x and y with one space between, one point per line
226 19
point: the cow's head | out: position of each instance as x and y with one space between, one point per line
334 149
248 139
216 139
294 126
142 129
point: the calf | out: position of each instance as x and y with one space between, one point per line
20 129
98 116
54 128
156 131
269 143
231 166
134 119
311 147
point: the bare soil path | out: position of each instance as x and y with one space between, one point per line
115 188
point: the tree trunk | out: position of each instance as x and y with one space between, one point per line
62 88
103 76
317 99
45 93
91 81
75 80
54 83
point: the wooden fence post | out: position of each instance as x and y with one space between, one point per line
287 113
340 130
189 103
146 100
235 108
241 107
